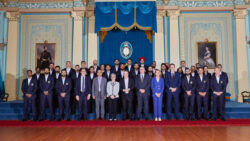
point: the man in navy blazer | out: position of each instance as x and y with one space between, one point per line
173 89
218 86
29 87
142 85
188 86
63 88
202 89
46 85
83 90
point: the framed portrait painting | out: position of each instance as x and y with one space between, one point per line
207 54
45 54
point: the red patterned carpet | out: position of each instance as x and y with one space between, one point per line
142 123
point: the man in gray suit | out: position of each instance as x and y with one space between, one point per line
99 87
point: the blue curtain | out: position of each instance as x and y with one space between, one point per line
3 51
105 15
109 50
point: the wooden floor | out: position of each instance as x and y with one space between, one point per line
229 133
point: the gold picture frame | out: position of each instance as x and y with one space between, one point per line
51 50
207 54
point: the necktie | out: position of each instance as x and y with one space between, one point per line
142 78
83 84
173 76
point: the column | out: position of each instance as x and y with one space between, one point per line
12 56
78 37
92 43
241 52
159 39
174 36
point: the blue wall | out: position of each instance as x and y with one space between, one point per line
248 45
110 48
3 39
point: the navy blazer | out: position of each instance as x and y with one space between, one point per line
63 88
87 86
218 87
37 80
47 86
143 85
191 86
71 74
114 70
169 82
202 86
105 74
29 89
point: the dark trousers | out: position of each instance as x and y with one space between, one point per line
219 105
173 96
202 103
142 102
83 106
49 99
26 102
127 105
189 105
64 101
112 107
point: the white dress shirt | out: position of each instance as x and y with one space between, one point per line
29 79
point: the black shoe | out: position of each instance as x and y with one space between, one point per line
51 120
206 118
59 119
68 119
214 119
40 120
199 118
192 118
131 119
23 120
186 118
146 118
34 120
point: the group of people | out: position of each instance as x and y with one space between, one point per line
131 89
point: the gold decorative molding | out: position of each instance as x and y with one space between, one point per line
161 13
166 2
173 14
45 0
240 13
13 16
77 15
90 13
85 2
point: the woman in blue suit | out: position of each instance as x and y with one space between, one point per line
157 86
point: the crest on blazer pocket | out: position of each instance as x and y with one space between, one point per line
205 81
67 83
221 82
191 82
48 81
32 84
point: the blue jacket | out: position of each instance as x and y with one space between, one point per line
87 86
47 86
63 88
157 87
143 85
29 89
218 87
202 86
174 83
191 86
